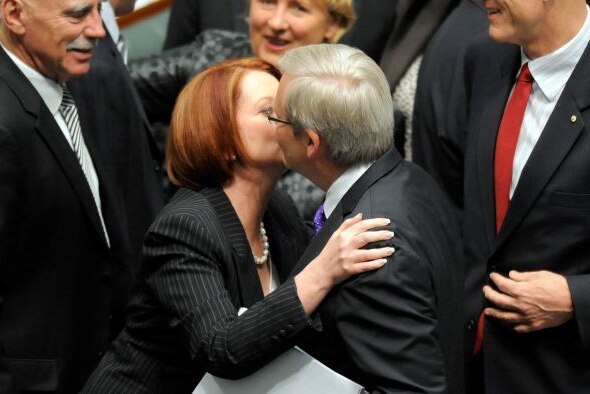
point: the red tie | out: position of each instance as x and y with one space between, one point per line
504 158
506 141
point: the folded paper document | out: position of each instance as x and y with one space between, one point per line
293 372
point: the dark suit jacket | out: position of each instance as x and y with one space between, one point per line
547 226
121 133
440 110
397 328
188 18
61 287
197 272
375 19
415 23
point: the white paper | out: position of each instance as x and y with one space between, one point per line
293 372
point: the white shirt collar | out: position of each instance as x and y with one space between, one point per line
552 71
339 188
49 90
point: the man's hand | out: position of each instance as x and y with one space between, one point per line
529 301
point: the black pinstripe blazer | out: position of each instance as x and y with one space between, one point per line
197 271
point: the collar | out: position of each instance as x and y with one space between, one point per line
110 20
339 188
552 71
49 90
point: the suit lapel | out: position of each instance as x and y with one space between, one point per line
247 277
557 138
65 156
497 94
347 205
50 132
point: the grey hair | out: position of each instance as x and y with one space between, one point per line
343 95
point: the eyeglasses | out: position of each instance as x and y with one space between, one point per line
276 121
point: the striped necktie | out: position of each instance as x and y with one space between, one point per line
69 112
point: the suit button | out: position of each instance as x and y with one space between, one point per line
100 354
493 268
110 317
470 325
282 333
290 327
274 338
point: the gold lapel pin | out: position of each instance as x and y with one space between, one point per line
573 118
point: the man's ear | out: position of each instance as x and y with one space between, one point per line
12 15
314 143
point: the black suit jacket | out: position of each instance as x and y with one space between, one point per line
61 287
197 272
547 226
415 23
397 328
116 123
440 110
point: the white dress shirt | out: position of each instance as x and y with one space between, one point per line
550 72
339 188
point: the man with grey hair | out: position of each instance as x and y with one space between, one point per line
63 245
397 328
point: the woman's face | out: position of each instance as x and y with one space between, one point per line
254 105
279 25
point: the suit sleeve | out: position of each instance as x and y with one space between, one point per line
580 290
190 286
387 320
183 24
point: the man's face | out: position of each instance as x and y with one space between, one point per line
520 22
292 144
58 36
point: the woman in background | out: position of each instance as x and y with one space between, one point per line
226 240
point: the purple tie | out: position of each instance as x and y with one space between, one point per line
319 219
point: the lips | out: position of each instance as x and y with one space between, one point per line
276 43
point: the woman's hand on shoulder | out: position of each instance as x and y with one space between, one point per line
344 254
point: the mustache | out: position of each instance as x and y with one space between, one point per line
83 44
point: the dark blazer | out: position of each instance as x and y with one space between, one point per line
61 287
440 110
397 328
415 23
197 272
123 139
547 226
188 18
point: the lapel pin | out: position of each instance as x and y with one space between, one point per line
573 118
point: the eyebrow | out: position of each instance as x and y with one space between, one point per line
79 10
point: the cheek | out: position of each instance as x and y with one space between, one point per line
309 32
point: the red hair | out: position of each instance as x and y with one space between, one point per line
204 134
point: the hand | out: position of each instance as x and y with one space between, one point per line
343 255
529 301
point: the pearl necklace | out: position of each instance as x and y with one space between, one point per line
259 260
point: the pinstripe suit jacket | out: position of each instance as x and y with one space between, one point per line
197 271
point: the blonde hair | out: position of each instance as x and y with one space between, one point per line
343 12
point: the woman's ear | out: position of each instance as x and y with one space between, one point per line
333 28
